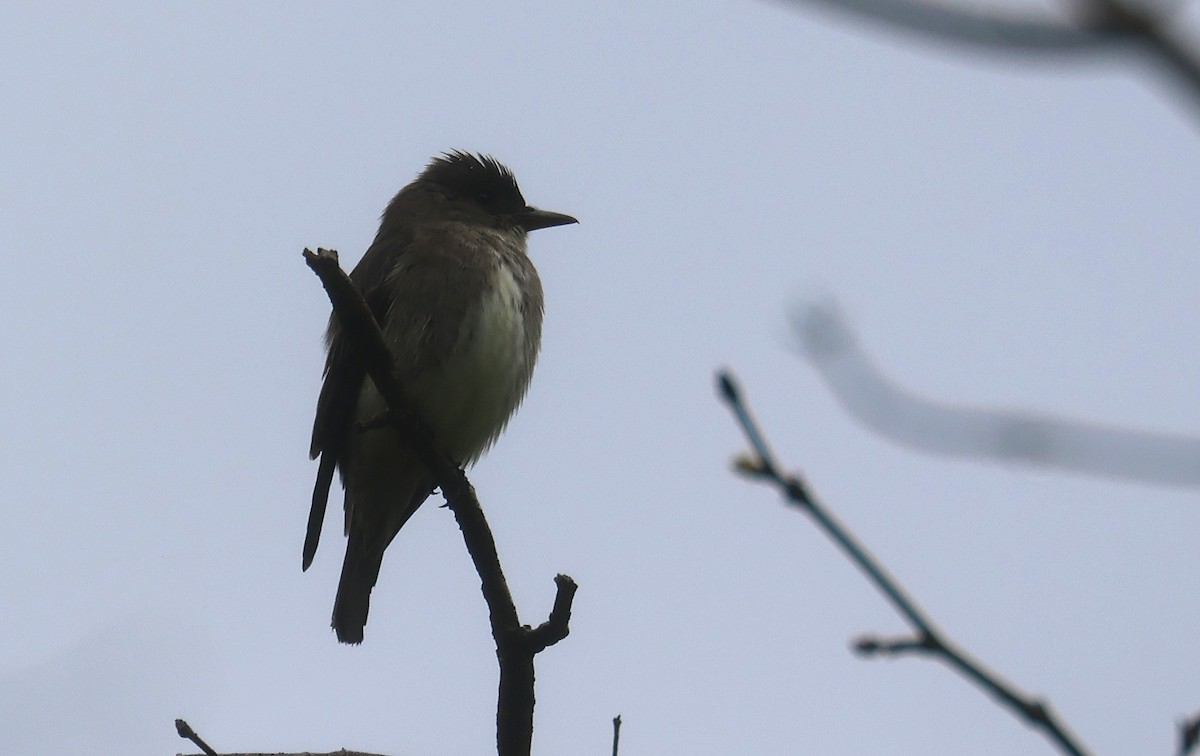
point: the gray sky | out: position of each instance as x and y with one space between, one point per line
1000 234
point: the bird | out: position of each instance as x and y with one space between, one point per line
450 282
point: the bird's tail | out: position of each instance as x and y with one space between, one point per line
360 570
376 509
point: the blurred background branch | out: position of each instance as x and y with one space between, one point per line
1091 27
1189 734
899 415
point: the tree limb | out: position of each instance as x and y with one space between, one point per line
928 639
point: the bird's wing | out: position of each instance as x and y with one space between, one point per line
405 278
344 375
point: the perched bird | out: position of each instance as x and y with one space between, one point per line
460 305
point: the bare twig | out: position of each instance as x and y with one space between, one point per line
616 734
927 638
516 645
186 732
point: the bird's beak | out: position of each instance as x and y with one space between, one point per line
531 219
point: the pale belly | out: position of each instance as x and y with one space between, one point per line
469 397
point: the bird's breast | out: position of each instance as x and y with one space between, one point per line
469 397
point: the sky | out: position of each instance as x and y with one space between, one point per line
1000 233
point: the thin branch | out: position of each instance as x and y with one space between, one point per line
1105 26
869 645
515 645
983 30
187 733
1189 734
616 734
928 638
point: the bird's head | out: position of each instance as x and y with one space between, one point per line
486 192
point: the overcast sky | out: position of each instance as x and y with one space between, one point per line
999 233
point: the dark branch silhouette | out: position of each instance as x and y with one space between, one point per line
993 31
1189 735
927 638
1154 32
516 644
1101 26
187 733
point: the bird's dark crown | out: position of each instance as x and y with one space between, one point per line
476 178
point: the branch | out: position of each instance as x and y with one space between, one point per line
1105 25
1189 734
1152 29
984 30
516 645
900 415
187 733
928 638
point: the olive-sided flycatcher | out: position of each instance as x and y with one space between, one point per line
460 305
